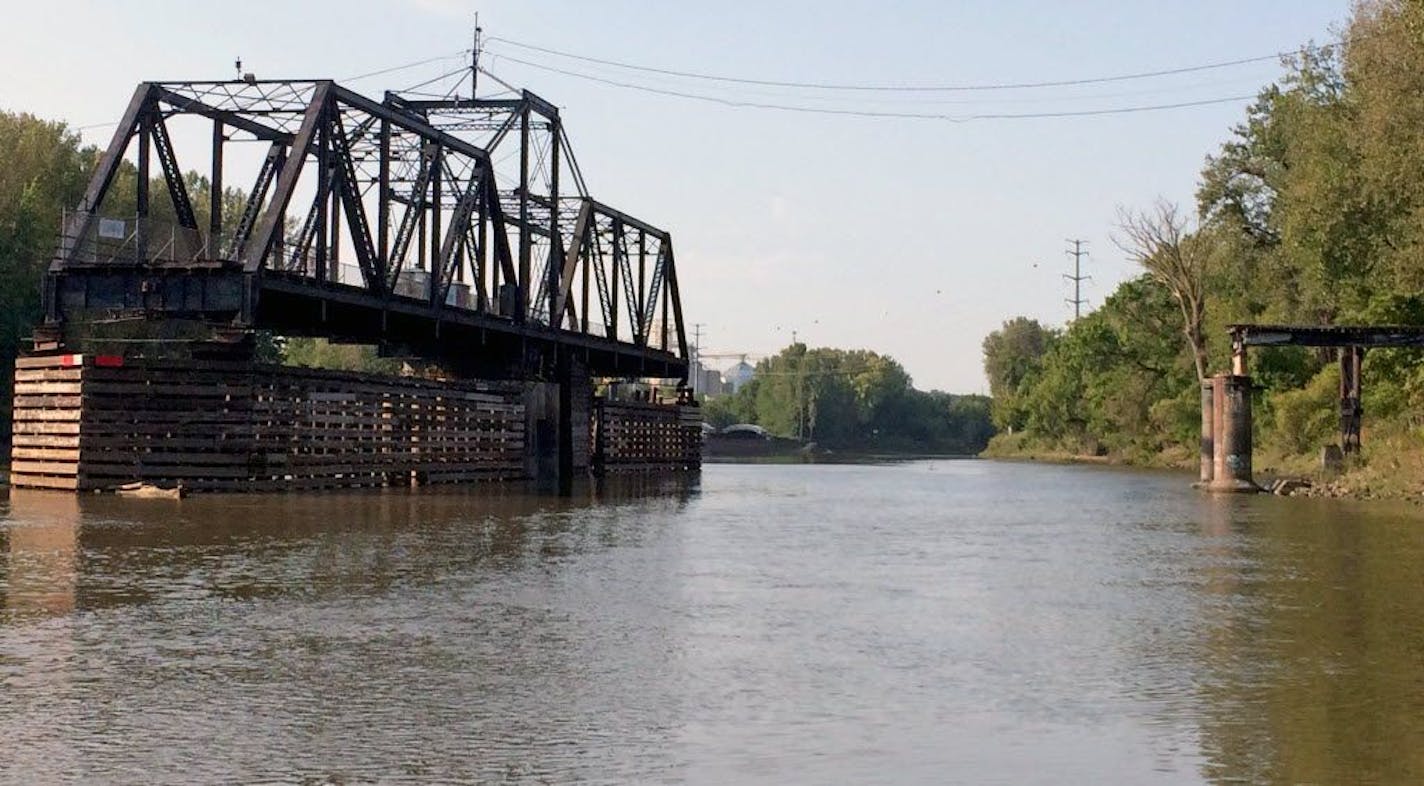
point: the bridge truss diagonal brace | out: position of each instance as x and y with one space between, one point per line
347 185
574 253
172 176
455 235
502 250
269 226
103 177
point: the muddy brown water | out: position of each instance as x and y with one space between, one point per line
923 622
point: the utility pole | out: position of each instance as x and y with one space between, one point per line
1077 278
695 369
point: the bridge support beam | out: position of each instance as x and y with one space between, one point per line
565 376
1226 432
1352 361
557 445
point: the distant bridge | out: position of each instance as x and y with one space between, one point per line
439 227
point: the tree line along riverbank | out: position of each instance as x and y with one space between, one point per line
853 401
1311 212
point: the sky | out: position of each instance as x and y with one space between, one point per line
911 237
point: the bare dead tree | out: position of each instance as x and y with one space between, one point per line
1158 239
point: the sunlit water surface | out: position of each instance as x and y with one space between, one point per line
926 622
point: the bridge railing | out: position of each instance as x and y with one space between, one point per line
120 239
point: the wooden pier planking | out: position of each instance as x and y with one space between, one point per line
644 437
231 426
224 426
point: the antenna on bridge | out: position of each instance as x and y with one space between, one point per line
475 58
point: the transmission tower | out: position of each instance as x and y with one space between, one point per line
1077 252
695 368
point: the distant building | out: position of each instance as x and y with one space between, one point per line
709 381
738 376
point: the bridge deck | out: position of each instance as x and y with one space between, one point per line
480 343
1328 335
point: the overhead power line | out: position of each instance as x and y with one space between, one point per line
405 66
877 113
910 88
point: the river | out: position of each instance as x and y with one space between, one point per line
912 623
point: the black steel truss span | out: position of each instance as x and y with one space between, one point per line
389 222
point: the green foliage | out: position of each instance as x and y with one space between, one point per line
853 399
1012 356
1111 382
720 411
1307 418
1311 212
44 170
320 353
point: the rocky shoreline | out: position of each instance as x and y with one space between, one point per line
1341 488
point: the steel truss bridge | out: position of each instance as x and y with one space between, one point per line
444 228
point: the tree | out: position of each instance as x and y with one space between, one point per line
44 170
853 399
320 353
1158 240
1011 354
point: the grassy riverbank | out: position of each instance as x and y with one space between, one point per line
1023 447
1391 466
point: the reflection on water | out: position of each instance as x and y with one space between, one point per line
915 623
40 571
1315 660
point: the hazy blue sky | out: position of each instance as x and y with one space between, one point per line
912 237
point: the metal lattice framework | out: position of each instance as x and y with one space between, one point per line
389 221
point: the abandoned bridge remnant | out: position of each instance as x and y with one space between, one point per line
1226 446
455 233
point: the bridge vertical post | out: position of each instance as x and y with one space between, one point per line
1352 359
145 137
1231 432
556 235
612 327
215 196
437 228
525 247
383 206
323 200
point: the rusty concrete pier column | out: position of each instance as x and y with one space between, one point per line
1208 432
1352 360
1231 434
